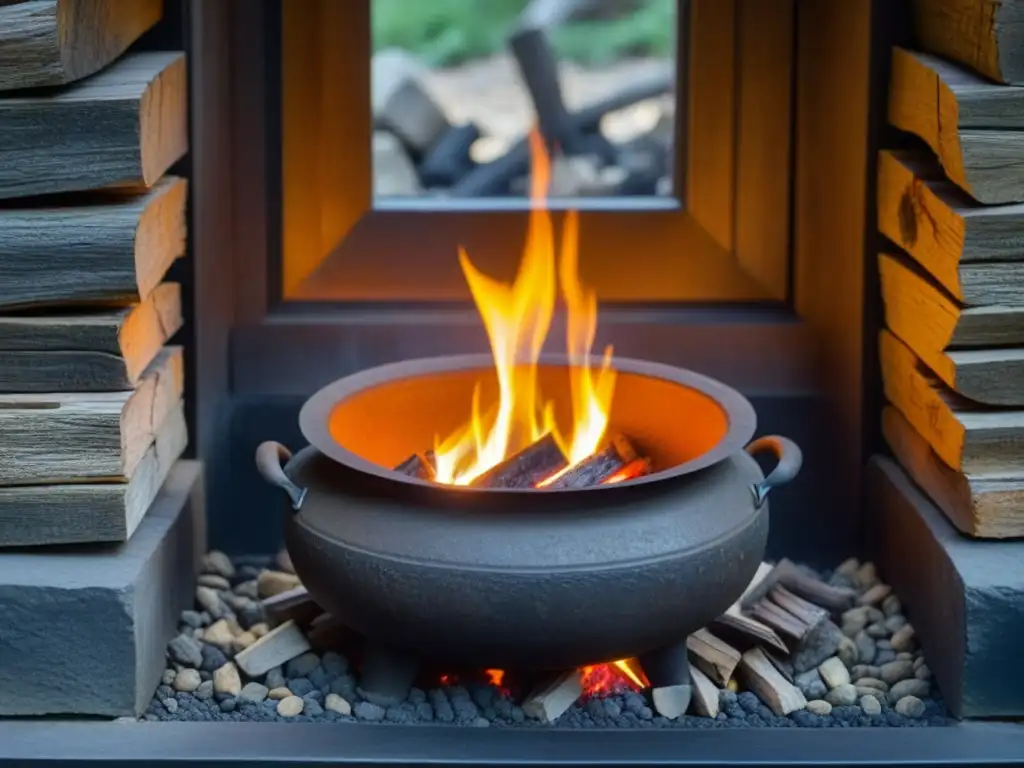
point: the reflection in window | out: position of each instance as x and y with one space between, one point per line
457 85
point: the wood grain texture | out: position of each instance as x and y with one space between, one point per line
103 350
975 252
54 42
988 505
926 98
86 513
968 437
117 250
78 437
123 127
985 35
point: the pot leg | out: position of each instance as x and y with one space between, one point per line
387 674
668 671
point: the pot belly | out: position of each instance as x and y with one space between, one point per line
539 617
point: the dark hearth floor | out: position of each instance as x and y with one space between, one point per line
202 684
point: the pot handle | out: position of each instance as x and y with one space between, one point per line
269 456
789 459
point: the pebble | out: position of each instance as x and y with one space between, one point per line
891 606
366 710
216 562
205 690
213 658
806 679
910 706
903 639
866 576
270 583
865 670
847 651
912 687
923 672
870 705
877 630
168 677
274 678
227 681
870 690
248 589
873 682
243 641
335 703
842 696
865 647
187 680
279 693
302 665
834 672
897 670
210 600
918 662
822 643
186 650
854 620
193 618
219 634
895 623
884 656
290 706
254 692
334 664
848 567
214 581
875 594
259 629
819 707
171 705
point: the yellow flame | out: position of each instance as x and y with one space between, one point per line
517 318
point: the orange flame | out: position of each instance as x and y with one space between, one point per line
517 318
608 678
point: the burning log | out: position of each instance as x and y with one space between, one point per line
549 701
599 467
418 465
635 468
526 469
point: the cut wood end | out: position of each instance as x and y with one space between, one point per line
549 701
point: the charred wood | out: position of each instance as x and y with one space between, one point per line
527 468
599 467
418 465
449 159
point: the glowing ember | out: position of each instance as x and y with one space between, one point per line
611 678
517 318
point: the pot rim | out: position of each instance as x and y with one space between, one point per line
314 417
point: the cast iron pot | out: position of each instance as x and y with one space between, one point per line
546 579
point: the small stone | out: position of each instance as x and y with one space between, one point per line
894 623
842 696
194 619
866 576
819 707
219 634
229 704
213 658
279 693
171 705
335 703
259 629
290 706
820 643
247 589
334 664
187 680
226 680
918 661
243 641
873 682
275 678
877 630
870 690
239 603
214 581
911 687
210 600
815 690
849 567
891 606
870 705
910 706
895 671
284 561
834 672
854 620
923 672
300 686
270 583
805 680
847 651
205 690
904 639
875 594
884 657
366 710
865 670
168 677
865 647
302 665
905 656
186 650
254 692
216 562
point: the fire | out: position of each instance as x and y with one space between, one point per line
517 318
607 678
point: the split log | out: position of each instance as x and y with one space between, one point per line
548 701
969 438
988 505
279 646
636 468
705 694
54 42
982 159
116 250
743 632
90 351
672 701
527 468
779 619
449 159
806 612
418 465
76 437
986 36
598 467
293 605
715 657
125 127
781 696
974 251
86 513
803 584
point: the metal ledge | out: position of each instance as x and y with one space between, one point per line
356 744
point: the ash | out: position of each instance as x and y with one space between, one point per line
202 682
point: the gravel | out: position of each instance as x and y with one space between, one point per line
866 671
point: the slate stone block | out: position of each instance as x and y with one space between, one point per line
83 630
964 597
